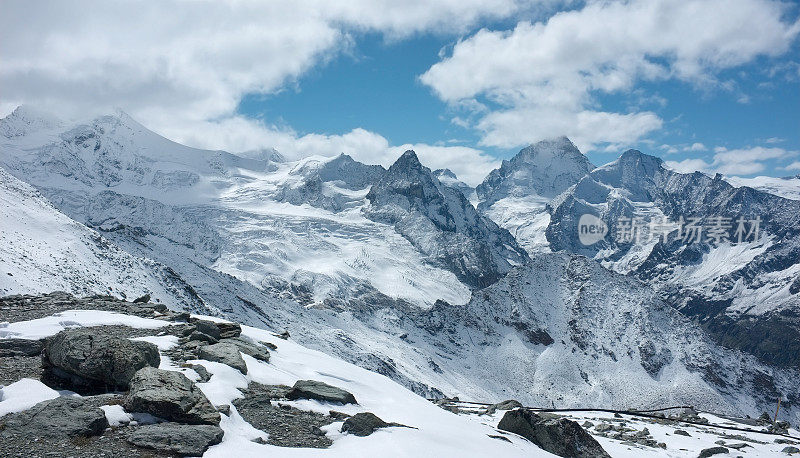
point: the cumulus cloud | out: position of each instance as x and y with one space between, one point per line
743 161
183 67
544 77
793 166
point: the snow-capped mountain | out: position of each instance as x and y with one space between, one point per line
43 250
744 289
442 224
382 268
515 195
294 226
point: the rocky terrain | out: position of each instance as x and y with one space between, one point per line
136 379
99 377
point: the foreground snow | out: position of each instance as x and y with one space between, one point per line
436 432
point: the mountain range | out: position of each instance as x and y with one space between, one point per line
484 294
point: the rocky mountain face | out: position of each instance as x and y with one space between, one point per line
743 289
515 195
440 222
154 382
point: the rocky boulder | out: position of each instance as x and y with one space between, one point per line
62 417
217 330
364 423
192 440
706 452
169 395
558 436
225 353
256 350
312 389
505 405
88 358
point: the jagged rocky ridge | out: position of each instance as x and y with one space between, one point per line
442 224
746 294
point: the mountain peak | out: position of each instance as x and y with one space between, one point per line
25 120
633 155
545 168
408 160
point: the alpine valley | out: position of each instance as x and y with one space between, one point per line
484 294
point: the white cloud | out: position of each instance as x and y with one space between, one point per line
182 67
545 76
793 166
743 161
695 147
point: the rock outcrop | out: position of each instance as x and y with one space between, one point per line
89 359
171 396
558 436
191 440
312 389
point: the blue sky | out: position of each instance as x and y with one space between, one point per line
711 85
376 86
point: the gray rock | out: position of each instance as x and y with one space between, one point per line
57 418
203 337
505 405
681 432
312 389
191 440
225 353
559 436
20 347
208 328
286 425
142 300
603 427
229 330
169 395
790 450
90 358
201 371
249 348
738 446
705 453
363 424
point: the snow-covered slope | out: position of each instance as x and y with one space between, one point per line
788 187
515 195
42 250
289 225
745 292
